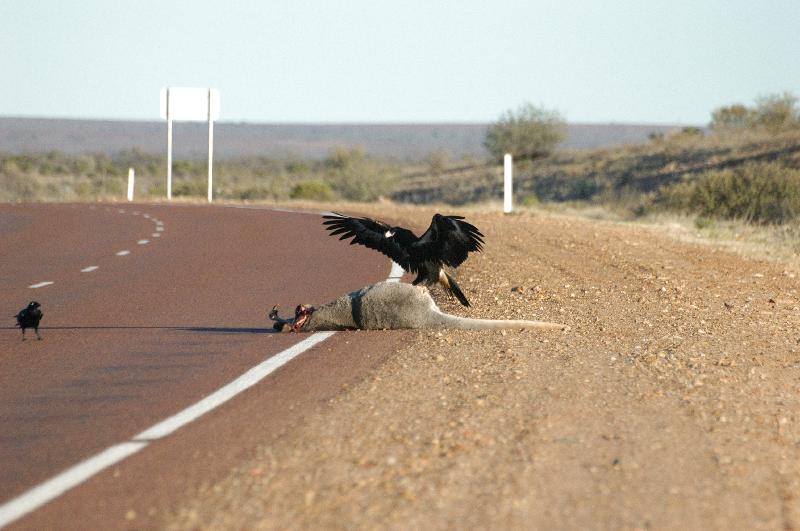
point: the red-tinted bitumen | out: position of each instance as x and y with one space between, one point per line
150 332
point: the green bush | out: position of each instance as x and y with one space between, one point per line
17 187
189 187
760 192
731 117
312 190
530 132
529 200
437 161
356 177
252 193
774 113
777 112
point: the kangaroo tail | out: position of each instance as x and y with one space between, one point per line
450 285
444 320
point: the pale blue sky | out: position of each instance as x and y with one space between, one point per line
399 61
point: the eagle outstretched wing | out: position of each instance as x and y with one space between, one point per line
447 241
391 241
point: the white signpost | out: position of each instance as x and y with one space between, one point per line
191 105
131 176
508 188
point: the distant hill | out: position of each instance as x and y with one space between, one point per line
232 140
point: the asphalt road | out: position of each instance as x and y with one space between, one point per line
131 338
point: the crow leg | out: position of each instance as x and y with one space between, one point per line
37 333
23 334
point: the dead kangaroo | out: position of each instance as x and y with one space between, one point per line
389 306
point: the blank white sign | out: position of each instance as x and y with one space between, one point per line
189 103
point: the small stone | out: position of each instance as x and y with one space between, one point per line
309 497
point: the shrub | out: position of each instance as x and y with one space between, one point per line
777 112
529 200
312 190
17 187
252 193
437 161
356 177
189 187
760 192
530 132
774 113
736 116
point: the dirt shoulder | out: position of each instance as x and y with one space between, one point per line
671 403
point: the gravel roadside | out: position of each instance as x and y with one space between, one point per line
672 402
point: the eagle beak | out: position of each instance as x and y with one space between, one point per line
388 234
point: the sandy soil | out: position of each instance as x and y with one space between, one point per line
672 403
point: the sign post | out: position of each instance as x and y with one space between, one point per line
168 116
210 147
191 105
131 176
508 189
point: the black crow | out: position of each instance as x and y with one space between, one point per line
29 318
446 243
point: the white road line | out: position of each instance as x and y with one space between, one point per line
49 490
156 235
222 395
71 477
160 228
143 242
89 269
53 488
41 284
123 253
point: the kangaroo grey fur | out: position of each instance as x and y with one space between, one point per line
395 305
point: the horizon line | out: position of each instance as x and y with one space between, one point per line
344 122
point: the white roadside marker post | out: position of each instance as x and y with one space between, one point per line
508 188
169 146
210 146
131 176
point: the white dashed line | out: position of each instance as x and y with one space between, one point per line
143 242
89 269
40 284
123 253
121 211
160 228
49 490
156 235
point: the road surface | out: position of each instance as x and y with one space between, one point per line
148 309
